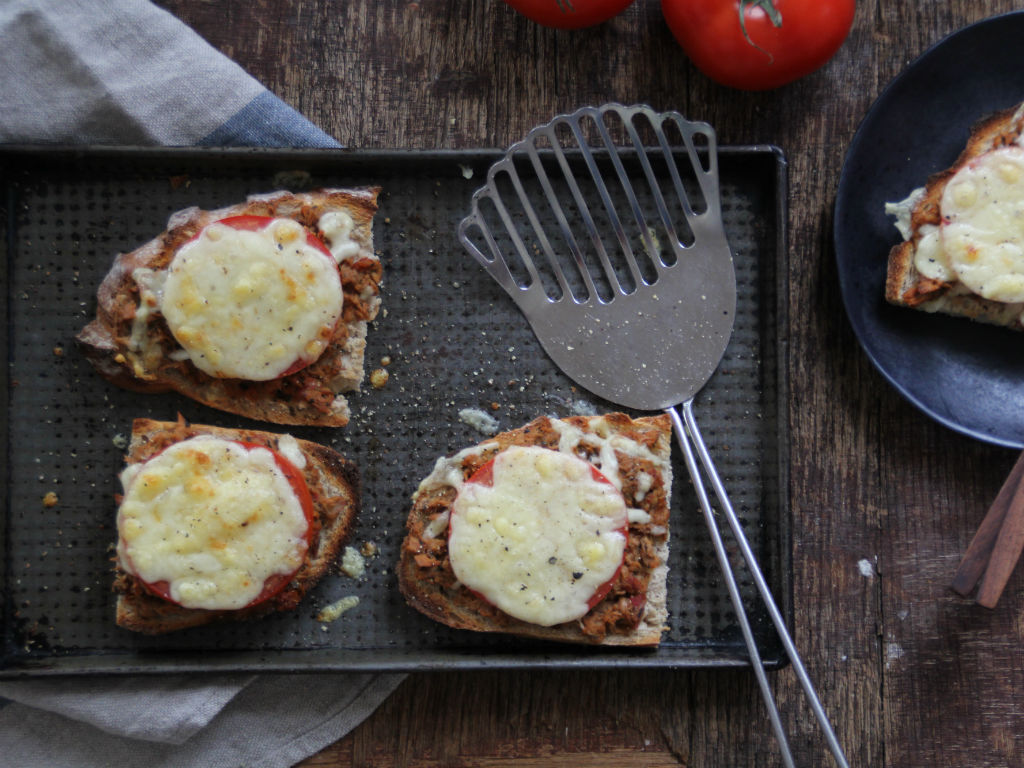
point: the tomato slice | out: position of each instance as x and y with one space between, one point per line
276 583
484 475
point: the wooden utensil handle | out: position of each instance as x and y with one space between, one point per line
1006 552
979 551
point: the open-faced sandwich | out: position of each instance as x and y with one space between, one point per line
963 249
556 530
259 309
221 523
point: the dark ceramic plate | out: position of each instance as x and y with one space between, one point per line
967 376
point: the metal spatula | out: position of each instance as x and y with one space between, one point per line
632 291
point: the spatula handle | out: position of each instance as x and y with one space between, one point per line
690 440
734 592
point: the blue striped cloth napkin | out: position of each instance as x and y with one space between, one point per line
127 72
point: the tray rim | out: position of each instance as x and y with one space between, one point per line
293 660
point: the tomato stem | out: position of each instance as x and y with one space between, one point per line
770 10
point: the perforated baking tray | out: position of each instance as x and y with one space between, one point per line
454 342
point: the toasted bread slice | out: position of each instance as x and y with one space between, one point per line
634 612
334 485
921 213
130 343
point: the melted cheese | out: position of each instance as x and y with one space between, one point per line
447 472
143 351
644 483
571 438
983 229
251 304
337 227
151 289
542 539
437 526
212 519
289 447
930 258
903 211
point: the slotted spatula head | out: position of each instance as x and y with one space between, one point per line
605 227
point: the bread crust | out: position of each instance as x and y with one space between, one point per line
312 396
335 485
428 584
905 285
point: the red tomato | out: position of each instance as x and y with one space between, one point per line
276 583
485 476
755 45
569 14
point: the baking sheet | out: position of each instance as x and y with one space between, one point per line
454 340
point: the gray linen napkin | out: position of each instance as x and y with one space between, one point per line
127 72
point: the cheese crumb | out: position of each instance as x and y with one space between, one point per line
583 408
379 378
352 563
333 611
479 420
50 499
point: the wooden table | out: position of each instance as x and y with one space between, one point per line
912 674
